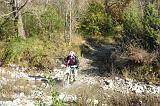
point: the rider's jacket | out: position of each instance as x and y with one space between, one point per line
71 60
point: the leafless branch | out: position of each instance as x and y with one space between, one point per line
4 15
4 1
23 5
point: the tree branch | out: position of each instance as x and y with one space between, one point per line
4 15
7 2
22 5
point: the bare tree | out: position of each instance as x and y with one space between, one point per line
68 21
73 9
116 8
15 13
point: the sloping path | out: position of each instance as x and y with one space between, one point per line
92 75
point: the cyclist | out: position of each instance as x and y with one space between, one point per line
72 60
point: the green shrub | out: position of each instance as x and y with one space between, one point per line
16 47
95 21
131 21
29 52
54 93
152 22
42 21
36 52
142 30
7 29
38 21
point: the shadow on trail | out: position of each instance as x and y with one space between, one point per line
106 58
44 80
100 55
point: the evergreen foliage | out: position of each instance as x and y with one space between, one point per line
144 30
95 21
42 21
132 21
152 22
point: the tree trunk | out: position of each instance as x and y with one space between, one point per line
70 19
46 3
18 23
66 23
21 31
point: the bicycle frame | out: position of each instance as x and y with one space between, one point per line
70 76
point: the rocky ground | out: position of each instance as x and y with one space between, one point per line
21 88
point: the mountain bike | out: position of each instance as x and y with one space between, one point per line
70 75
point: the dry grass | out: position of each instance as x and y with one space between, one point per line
11 88
76 41
14 87
40 53
118 99
2 48
87 94
141 56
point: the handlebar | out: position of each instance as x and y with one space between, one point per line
74 66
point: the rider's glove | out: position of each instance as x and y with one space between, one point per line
63 65
77 67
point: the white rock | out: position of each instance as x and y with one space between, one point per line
3 78
34 86
74 98
105 105
158 89
116 78
108 96
111 85
6 103
21 94
17 69
138 91
95 102
62 96
3 71
13 75
30 103
89 100
17 101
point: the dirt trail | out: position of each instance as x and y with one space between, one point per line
93 81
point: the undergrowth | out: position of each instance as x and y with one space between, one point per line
37 52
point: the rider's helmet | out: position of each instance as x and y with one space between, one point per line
72 53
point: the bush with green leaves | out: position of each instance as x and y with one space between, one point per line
42 21
36 52
132 21
54 93
30 52
17 47
144 31
7 29
42 26
151 22
95 21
